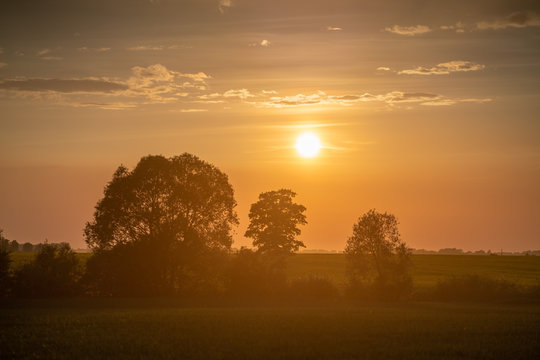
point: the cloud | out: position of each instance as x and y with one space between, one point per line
240 93
447 102
393 98
333 28
43 52
63 85
459 27
383 68
51 58
444 68
265 43
193 110
408 30
224 5
518 19
145 48
2 64
99 50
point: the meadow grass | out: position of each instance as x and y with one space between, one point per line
150 328
427 270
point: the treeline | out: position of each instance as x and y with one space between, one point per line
164 229
455 251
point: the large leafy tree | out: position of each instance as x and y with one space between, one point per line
162 216
377 256
274 221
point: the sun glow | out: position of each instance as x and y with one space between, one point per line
308 145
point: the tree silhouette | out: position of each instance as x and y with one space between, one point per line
274 221
160 217
53 272
5 261
376 254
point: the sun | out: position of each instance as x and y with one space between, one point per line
308 145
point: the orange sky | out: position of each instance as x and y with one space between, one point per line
428 110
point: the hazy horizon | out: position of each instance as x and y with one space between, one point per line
428 110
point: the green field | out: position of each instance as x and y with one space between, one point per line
157 329
428 269
120 328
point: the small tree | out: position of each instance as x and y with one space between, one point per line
274 221
377 257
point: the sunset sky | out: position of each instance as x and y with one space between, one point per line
429 110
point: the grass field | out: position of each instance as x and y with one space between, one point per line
426 269
123 328
120 328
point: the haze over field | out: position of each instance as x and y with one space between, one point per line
428 110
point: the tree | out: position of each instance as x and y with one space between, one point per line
159 219
27 247
54 272
13 246
377 257
5 262
274 221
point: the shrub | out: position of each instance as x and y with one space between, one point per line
313 290
54 271
476 288
5 278
253 275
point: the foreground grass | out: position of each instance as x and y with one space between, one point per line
159 329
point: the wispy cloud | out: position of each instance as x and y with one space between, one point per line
392 98
383 68
408 30
224 5
518 19
333 28
444 68
458 27
154 84
43 52
98 50
63 85
193 110
145 48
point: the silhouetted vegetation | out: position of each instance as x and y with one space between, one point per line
480 288
160 227
163 229
273 223
254 276
378 260
54 272
5 261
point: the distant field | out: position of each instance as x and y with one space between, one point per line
427 269
144 328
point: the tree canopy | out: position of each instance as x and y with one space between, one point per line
177 199
376 254
274 221
157 225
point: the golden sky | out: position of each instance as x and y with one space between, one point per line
426 109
